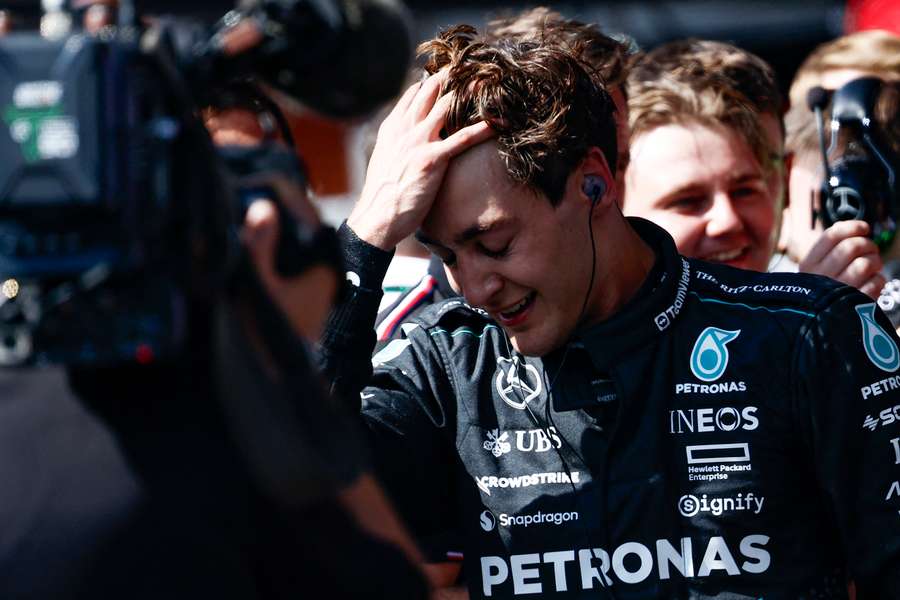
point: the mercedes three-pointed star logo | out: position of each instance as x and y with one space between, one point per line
845 204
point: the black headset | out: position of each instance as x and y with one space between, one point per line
594 188
860 168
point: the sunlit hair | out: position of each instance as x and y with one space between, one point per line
874 52
707 83
546 104
606 55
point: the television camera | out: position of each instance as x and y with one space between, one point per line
116 211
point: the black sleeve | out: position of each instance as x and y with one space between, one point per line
847 376
404 396
345 350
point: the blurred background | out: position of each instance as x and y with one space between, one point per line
782 32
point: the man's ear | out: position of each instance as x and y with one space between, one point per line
596 183
784 219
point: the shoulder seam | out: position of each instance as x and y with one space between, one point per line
750 306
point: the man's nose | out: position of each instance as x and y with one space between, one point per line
477 282
723 216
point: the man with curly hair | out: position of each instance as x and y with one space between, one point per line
598 416
607 58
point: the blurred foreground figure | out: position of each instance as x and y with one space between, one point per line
160 420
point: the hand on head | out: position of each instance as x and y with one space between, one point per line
408 164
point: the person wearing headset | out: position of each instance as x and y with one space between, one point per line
708 164
599 416
831 67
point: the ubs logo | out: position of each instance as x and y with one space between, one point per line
499 442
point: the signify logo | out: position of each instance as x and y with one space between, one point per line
690 505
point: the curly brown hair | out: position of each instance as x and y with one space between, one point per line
608 56
545 103
706 82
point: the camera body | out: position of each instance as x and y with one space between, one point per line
861 168
96 222
117 214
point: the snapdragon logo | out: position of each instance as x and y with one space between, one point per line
879 346
487 521
709 358
630 563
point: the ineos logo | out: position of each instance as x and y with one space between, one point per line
705 420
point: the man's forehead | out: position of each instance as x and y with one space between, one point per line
476 193
680 156
483 158
461 228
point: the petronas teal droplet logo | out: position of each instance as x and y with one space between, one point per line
880 348
710 354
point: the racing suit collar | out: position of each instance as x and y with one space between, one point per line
653 309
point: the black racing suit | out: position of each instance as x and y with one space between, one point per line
727 434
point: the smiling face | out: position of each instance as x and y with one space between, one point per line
707 189
510 252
